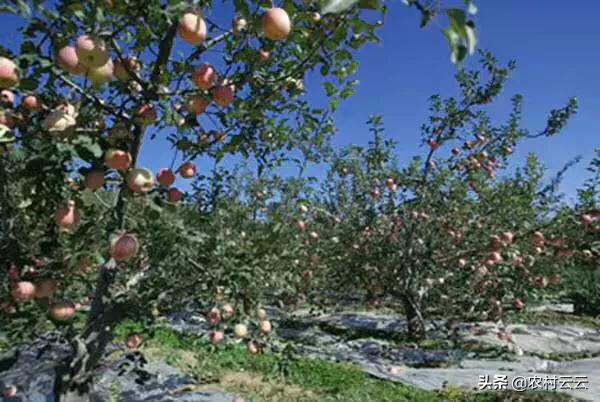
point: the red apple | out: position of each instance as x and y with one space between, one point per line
165 177
276 24
146 114
67 60
32 102
265 327
204 77
196 104
23 291
192 28
140 180
117 159
67 215
187 170
91 51
7 97
213 317
174 195
224 95
133 340
124 246
9 73
62 311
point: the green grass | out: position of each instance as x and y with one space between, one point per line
279 377
551 318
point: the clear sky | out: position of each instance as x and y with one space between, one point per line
554 42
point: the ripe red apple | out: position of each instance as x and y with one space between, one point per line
265 327
146 114
462 262
7 119
586 219
9 391
140 180
538 238
252 347
124 246
507 237
174 195
192 28
123 70
313 235
32 102
204 77
224 95
213 317
91 51
196 104
62 311
187 170
67 215
240 330
519 305
9 73
301 225
45 288
117 159
263 55
508 150
133 340
7 97
67 60
216 337
227 311
23 291
276 24
165 177
94 179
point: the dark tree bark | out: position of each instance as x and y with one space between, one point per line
414 318
74 376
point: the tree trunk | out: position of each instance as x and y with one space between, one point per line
74 376
412 309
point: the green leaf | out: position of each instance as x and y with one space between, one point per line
369 4
28 84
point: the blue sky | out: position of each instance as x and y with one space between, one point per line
554 42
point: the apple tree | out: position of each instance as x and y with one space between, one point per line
446 228
91 84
